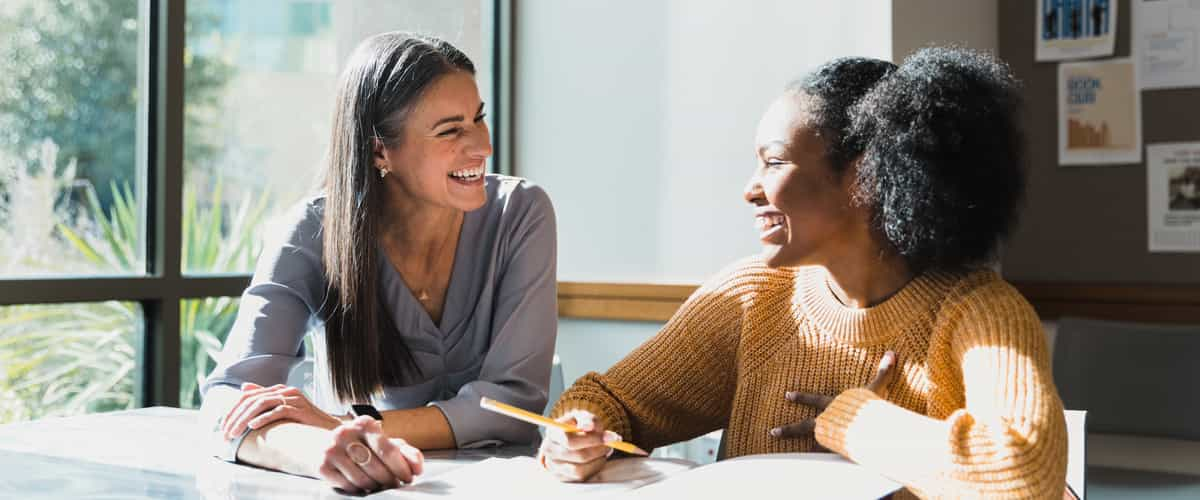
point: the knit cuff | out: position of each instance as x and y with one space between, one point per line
835 421
610 418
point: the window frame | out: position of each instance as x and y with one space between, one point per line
164 285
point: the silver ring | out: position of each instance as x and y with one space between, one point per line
361 463
282 400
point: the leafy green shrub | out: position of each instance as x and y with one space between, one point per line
63 359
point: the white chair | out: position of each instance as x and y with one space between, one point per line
1077 451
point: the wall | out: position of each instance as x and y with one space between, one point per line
919 23
638 117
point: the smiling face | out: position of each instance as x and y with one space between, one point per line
440 156
803 209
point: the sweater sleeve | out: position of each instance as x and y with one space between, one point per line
680 383
1009 437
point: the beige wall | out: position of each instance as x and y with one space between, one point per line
919 23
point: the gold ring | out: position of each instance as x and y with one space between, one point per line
366 453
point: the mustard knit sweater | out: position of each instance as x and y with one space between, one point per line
972 412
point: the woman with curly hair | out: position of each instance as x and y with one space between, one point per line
870 324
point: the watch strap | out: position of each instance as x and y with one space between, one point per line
368 410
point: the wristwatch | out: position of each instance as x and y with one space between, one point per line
368 410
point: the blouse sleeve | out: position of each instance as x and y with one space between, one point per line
266 340
516 368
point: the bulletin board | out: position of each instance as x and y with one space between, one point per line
1081 246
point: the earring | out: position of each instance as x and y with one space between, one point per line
383 173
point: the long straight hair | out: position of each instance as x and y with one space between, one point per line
382 82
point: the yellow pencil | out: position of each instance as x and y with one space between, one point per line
533 418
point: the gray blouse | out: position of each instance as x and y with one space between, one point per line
495 339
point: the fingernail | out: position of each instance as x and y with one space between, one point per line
776 432
584 422
789 395
611 437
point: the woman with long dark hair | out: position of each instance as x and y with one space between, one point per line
871 324
426 283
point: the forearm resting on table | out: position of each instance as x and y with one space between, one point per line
284 446
287 447
299 449
425 428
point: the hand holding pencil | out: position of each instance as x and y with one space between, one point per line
533 418
575 446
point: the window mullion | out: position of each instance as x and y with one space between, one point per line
161 358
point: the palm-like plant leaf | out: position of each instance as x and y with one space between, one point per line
70 358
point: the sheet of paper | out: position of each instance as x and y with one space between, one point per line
523 477
1173 194
1075 29
781 475
1099 113
1165 37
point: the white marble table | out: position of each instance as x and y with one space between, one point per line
157 453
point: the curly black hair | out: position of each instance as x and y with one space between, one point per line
837 86
940 146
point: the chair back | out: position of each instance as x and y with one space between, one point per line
556 385
1077 451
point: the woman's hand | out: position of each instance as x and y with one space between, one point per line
805 428
576 456
259 406
362 459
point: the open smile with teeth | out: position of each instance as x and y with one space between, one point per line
768 222
772 228
467 174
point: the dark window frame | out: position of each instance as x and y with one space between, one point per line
164 285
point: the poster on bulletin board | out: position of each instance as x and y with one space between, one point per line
1173 193
1165 43
1099 113
1075 29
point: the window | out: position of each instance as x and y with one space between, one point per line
144 150
63 359
259 88
69 182
204 324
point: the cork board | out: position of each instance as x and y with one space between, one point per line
1087 224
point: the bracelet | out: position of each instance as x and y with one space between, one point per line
229 453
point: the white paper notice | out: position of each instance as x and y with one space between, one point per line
1075 29
1173 192
1099 113
1165 36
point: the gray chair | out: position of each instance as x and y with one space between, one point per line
1139 385
556 385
